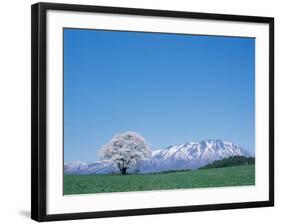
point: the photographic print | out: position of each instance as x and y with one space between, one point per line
146 111
140 111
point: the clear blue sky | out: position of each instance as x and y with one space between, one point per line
170 88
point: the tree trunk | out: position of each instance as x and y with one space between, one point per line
123 170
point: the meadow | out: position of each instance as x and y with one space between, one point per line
213 177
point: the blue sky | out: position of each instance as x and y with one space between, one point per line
170 88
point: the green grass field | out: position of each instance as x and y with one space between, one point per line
216 177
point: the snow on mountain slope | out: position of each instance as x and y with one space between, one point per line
177 157
101 167
191 155
75 167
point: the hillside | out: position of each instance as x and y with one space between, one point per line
176 157
217 177
230 161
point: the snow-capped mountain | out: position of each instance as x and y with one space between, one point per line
176 157
75 167
191 155
100 167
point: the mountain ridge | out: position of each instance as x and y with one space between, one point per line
191 155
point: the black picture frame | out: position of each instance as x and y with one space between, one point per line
38 108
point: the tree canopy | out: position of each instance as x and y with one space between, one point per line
125 150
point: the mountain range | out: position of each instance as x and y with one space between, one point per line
191 155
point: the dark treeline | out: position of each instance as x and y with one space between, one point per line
230 161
